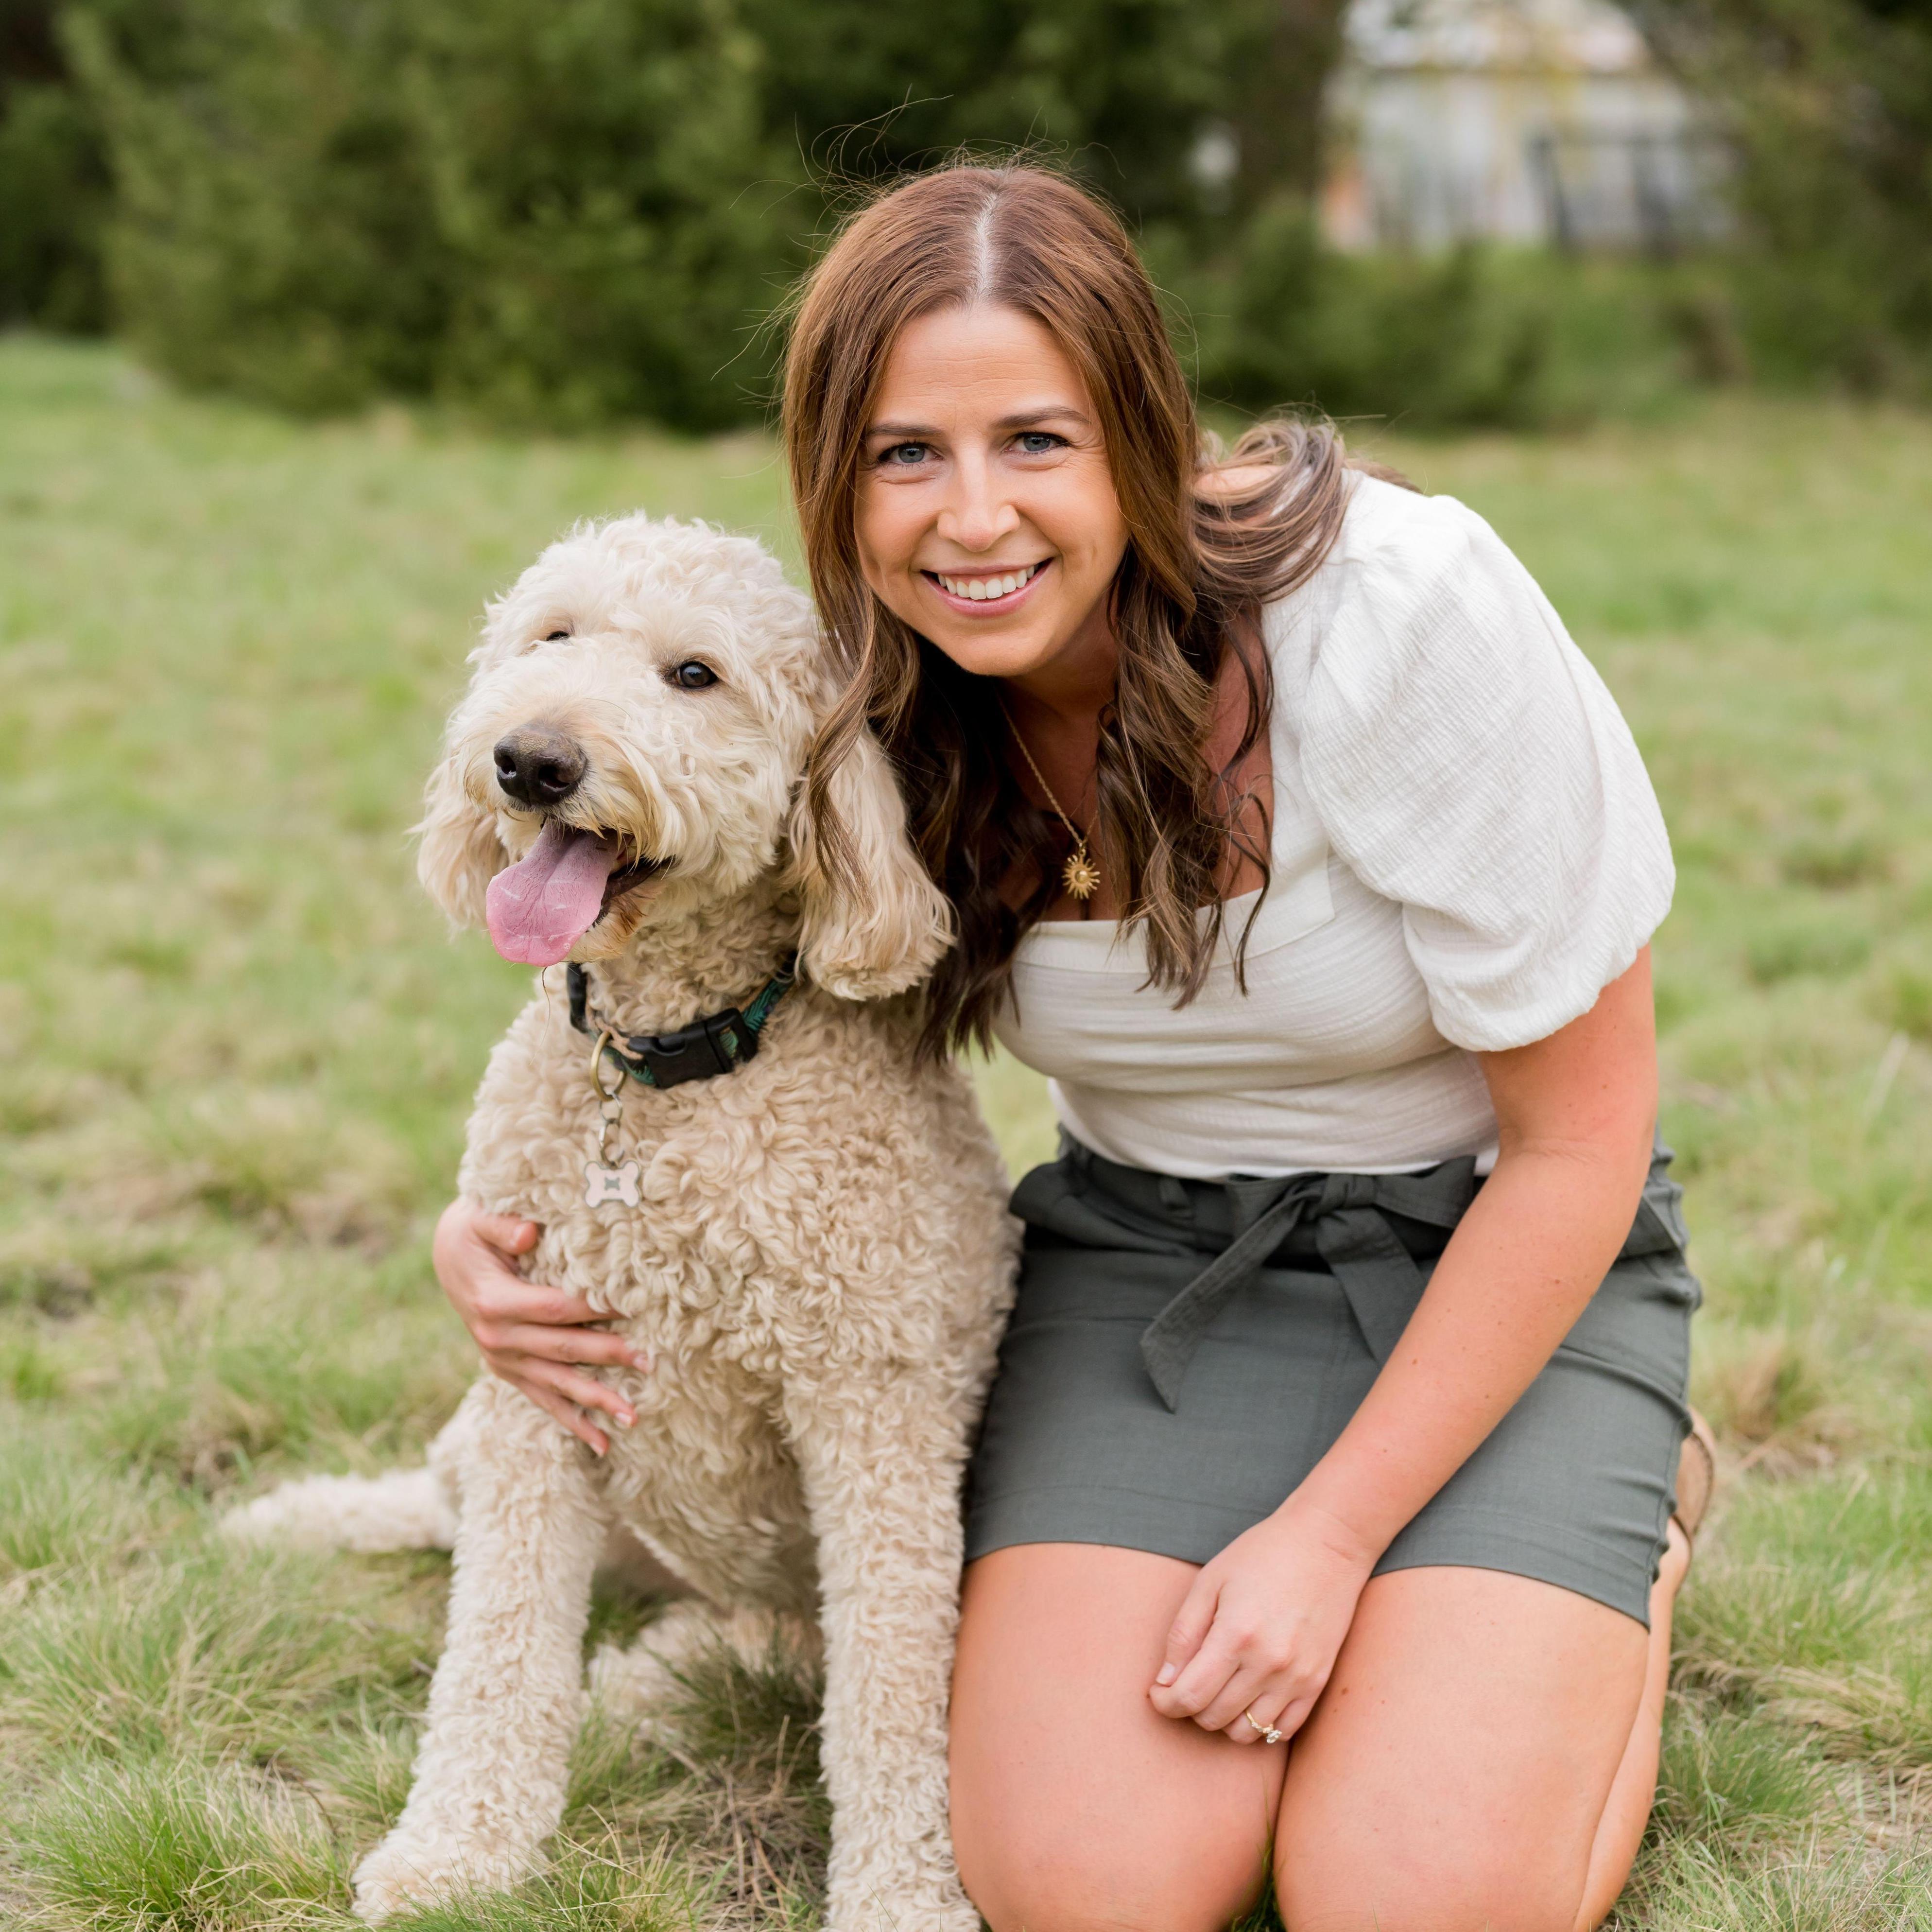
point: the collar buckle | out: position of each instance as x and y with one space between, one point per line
716 1044
706 1048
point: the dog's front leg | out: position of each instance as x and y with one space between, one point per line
881 1465
504 1707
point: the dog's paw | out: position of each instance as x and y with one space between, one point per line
630 1688
410 1870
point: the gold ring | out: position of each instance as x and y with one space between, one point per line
1267 1733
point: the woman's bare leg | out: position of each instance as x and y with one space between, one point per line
1483 1761
1075 1807
1458 1773
1633 1790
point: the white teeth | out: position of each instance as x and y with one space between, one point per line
979 589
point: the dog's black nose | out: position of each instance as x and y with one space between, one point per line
538 766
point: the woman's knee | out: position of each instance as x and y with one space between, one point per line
1060 1881
1075 1807
1497 1887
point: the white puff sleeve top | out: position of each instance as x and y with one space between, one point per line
1465 850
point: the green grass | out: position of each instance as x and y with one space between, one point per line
235 1049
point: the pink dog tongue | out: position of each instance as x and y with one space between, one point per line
540 907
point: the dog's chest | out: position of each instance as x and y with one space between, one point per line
730 1254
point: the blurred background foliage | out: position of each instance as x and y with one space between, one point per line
1829 105
568 211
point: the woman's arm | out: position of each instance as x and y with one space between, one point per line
1576 1118
529 1335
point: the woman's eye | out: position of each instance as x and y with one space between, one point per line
1039 442
904 455
692 676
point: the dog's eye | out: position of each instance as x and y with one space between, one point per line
692 676
555 636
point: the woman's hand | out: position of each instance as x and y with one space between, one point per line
529 1335
1260 1629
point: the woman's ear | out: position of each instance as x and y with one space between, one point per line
874 924
460 852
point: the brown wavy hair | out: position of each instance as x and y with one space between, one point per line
1199 567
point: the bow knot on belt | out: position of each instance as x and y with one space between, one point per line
1347 1215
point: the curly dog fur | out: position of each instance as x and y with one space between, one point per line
819 1269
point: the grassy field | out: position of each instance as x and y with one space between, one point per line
235 1047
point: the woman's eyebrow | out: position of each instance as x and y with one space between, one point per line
921 432
1063 412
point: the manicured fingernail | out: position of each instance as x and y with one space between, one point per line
1166 1674
639 1359
624 1419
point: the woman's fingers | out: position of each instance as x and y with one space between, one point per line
533 1336
1203 1680
1295 1713
572 1399
1220 1640
586 1391
595 1346
508 1314
572 1419
535 1302
1246 1689
1192 1623
508 1234
503 1295
1226 1676
1279 1701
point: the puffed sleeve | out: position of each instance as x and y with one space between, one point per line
1467 762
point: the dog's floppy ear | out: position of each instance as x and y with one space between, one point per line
459 852
873 923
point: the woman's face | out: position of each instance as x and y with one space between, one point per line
987 519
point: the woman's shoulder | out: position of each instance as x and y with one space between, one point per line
1409 576
1465 759
1392 536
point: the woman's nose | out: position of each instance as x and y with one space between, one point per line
977 514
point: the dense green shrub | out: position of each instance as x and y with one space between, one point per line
1829 105
54 183
548 207
52 195
1481 336
1120 90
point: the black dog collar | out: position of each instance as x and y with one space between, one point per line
713 1045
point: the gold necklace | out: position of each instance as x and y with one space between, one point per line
1080 875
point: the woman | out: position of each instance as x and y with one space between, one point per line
1289 833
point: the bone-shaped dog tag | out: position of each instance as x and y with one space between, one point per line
602 1184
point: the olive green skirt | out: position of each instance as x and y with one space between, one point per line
1182 1353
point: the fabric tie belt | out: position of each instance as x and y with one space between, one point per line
1345 1214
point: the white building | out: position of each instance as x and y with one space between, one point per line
1527 121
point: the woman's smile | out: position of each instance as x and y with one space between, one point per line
982 592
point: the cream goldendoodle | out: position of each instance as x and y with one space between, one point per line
801 1222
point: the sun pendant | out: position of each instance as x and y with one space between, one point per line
1080 875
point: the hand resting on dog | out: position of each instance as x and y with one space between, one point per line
529 1335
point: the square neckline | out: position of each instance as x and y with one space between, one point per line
1084 938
